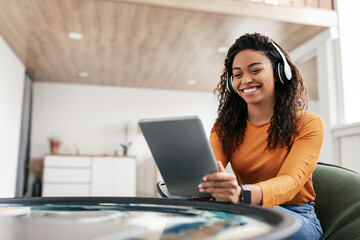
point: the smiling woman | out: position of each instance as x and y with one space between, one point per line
264 130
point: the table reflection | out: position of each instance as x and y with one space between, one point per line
160 222
141 218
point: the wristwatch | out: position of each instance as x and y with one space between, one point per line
245 194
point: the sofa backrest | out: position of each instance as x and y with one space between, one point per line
337 203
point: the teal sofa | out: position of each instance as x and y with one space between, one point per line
337 203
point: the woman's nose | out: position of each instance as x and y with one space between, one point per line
248 79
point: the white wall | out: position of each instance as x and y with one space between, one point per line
348 12
348 141
92 118
322 47
12 75
314 106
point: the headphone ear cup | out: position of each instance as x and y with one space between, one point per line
279 72
229 84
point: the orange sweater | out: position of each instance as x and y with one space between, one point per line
284 176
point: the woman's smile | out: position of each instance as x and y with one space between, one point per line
248 91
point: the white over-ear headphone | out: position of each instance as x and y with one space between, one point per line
283 68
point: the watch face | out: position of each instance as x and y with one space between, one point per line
245 195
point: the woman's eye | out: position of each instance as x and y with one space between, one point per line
237 75
256 70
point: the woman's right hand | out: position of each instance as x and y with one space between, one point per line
221 185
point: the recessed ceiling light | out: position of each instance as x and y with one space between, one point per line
192 82
83 74
274 2
75 35
222 49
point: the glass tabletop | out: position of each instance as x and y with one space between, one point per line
146 218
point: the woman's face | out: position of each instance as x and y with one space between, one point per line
253 77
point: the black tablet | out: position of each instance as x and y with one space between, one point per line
181 151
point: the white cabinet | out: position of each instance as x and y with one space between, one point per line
89 176
66 176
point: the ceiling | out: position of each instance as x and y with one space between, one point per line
130 45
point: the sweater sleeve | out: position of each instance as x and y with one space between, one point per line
298 165
217 148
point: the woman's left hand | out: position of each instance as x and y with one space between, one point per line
221 185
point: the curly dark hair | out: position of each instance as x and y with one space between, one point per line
289 98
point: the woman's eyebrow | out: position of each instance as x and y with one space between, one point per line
255 63
250 65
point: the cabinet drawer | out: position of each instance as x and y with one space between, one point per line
67 161
58 190
66 175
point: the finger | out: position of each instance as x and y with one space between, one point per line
229 188
219 176
212 191
221 166
219 184
226 192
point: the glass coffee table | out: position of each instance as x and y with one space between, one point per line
139 218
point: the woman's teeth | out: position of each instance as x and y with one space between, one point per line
250 90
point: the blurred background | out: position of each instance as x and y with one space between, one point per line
77 75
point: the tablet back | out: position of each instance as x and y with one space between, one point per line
181 151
